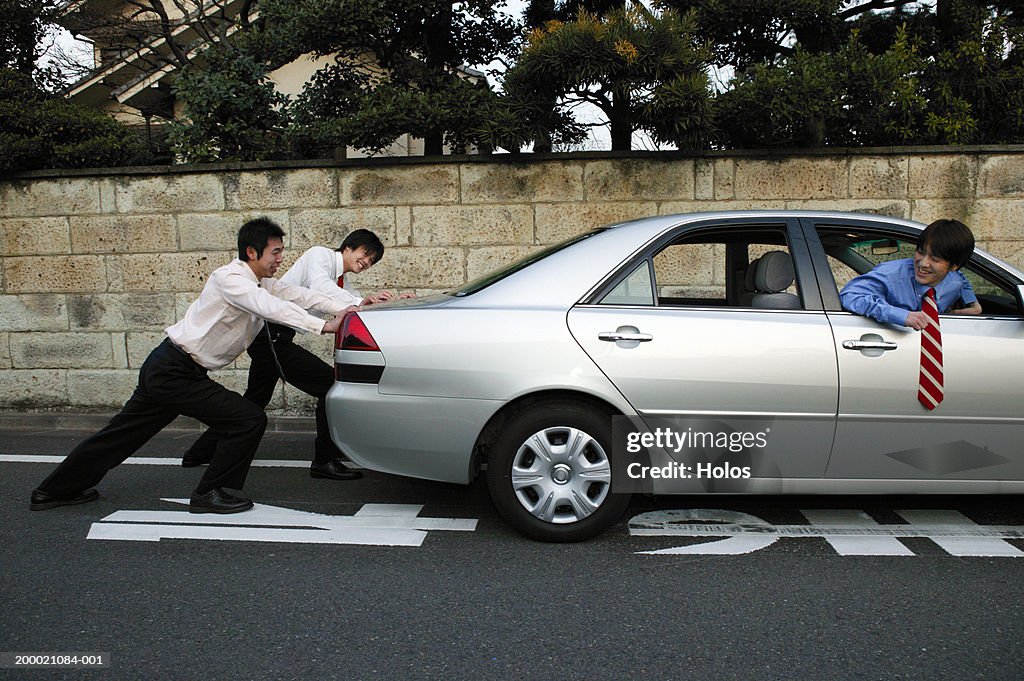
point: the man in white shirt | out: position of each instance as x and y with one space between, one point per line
228 314
274 354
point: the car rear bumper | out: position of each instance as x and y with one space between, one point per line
422 437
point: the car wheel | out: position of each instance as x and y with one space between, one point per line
550 472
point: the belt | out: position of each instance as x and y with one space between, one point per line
178 349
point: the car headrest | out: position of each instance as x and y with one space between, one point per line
748 280
774 272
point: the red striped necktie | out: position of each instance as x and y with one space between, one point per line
929 388
341 281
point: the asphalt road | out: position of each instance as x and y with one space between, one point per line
485 603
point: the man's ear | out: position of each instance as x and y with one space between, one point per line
251 253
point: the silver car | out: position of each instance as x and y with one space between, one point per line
566 375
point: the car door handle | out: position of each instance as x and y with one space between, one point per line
612 336
869 345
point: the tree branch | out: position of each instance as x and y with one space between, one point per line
872 4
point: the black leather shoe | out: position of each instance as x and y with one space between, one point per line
191 460
42 500
218 501
333 470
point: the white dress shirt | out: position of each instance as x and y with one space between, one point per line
232 307
319 269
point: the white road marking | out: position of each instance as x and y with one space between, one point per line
660 523
960 546
389 510
848 532
381 526
856 546
158 461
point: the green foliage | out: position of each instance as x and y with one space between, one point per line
23 24
975 84
342 107
749 32
645 70
512 122
806 73
396 70
395 32
232 111
847 98
949 73
42 130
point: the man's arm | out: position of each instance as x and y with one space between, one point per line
307 299
335 324
971 304
917 320
866 295
973 308
245 294
319 277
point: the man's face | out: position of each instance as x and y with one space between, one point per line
930 269
266 265
356 259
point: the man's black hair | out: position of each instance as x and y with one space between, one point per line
368 240
950 240
256 233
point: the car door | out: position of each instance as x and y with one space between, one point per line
883 432
677 332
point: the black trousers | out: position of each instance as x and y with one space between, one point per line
301 368
170 383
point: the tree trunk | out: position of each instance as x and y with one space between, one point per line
433 144
439 56
944 17
538 13
621 121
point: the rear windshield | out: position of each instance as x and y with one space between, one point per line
497 275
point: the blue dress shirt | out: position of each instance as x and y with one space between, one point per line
889 292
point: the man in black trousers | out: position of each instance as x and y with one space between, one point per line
275 356
222 322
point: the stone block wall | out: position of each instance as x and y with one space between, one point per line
95 265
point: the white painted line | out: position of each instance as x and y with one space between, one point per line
733 546
661 523
29 458
284 463
960 546
397 526
365 536
848 532
273 516
699 530
158 461
399 510
856 546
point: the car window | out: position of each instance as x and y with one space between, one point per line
636 289
714 268
852 252
486 280
862 253
691 271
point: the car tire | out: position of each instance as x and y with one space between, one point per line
550 472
